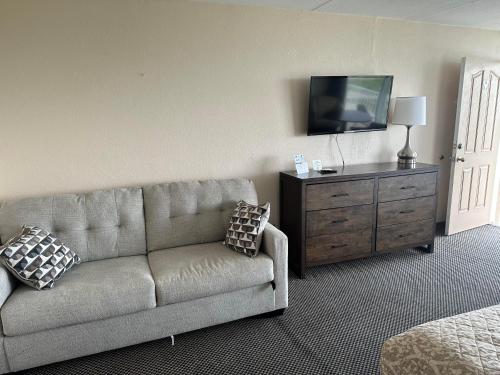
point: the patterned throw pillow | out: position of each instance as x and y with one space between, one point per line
246 228
37 258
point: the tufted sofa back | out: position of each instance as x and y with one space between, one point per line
97 225
112 223
184 213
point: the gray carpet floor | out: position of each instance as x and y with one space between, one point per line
337 320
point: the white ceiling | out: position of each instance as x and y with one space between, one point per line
470 13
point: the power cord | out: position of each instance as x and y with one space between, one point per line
340 150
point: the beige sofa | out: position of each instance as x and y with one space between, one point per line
153 266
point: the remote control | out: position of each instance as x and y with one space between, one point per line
327 171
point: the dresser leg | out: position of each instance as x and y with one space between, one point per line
429 248
302 273
299 271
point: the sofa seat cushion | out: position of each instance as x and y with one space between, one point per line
92 291
196 271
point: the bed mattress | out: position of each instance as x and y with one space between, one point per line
463 344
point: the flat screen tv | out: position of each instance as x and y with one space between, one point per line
341 104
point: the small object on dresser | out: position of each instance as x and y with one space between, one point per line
246 228
317 165
301 164
327 171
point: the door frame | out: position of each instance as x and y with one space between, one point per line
495 218
455 141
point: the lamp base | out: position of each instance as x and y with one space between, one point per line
407 162
406 156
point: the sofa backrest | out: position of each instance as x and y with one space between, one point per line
185 213
96 225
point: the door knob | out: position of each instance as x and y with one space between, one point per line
461 159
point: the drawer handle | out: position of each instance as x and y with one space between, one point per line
406 211
408 187
340 195
339 221
338 246
405 235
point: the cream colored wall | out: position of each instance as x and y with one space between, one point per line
97 94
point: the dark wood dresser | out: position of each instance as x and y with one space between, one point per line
361 211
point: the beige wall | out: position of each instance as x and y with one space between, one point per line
96 94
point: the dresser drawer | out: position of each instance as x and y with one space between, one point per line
338 247
406 211
405 187
339 194
337 220
401 235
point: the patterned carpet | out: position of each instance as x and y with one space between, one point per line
338 317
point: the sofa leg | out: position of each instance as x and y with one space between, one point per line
271 314
173 340
279 312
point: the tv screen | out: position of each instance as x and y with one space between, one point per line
340 104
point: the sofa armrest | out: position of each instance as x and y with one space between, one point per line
275 244
7 284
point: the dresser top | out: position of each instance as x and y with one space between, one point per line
360 170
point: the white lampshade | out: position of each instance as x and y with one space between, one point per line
410 111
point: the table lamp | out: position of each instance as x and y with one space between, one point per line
409 111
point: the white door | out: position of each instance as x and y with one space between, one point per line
475 146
